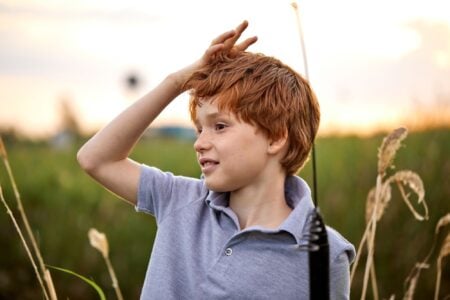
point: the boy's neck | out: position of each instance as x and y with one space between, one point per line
263 205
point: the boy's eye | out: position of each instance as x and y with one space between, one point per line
199 130
219 126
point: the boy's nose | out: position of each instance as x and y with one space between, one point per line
202 143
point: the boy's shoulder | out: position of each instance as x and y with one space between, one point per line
339 245
299 194
161 192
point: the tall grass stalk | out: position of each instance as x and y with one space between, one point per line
374 282
44 271
294 5
377 201
359 253
413 276
445 251
99 241
27 249
371 241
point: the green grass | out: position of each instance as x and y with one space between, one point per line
62 203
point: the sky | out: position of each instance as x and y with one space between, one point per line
372 64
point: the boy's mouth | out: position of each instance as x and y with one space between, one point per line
207 164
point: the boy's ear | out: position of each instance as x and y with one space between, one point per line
277 145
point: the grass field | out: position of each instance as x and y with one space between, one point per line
62 203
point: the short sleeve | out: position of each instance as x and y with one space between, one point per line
342 254
160 193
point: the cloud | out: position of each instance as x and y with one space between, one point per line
54 41
435 45
79 13
420 73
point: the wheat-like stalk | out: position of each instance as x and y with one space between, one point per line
386 155
372 225
414 182
411 280
377 201
444 221
385 198
99 241
445 251
45 272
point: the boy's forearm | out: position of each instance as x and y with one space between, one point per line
115 141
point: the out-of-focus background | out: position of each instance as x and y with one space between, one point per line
67 68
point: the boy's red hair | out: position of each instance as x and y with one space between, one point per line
262 91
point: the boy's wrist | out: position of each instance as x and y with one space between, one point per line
176 80
180 77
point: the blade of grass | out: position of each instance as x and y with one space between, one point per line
87 280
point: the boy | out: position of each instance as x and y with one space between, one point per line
234 233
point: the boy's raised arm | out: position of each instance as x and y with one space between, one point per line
105 155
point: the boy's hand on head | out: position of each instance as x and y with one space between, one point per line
224 44
230 48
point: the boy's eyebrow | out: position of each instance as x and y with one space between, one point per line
209 116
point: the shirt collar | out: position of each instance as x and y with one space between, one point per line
298 197
219 201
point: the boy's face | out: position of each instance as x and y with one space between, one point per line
232 154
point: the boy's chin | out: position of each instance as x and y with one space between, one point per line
216 187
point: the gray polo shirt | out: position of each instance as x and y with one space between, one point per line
200 252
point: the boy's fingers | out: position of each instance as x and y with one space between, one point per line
223 37
245 44
227 40
229 43
212 50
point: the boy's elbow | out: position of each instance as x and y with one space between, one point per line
86 161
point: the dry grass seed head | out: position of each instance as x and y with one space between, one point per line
98 241
385 197
413 181
389 147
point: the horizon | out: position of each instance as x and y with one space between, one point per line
162 130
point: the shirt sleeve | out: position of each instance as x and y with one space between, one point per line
342 254
160 193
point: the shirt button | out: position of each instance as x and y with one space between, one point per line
228 251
